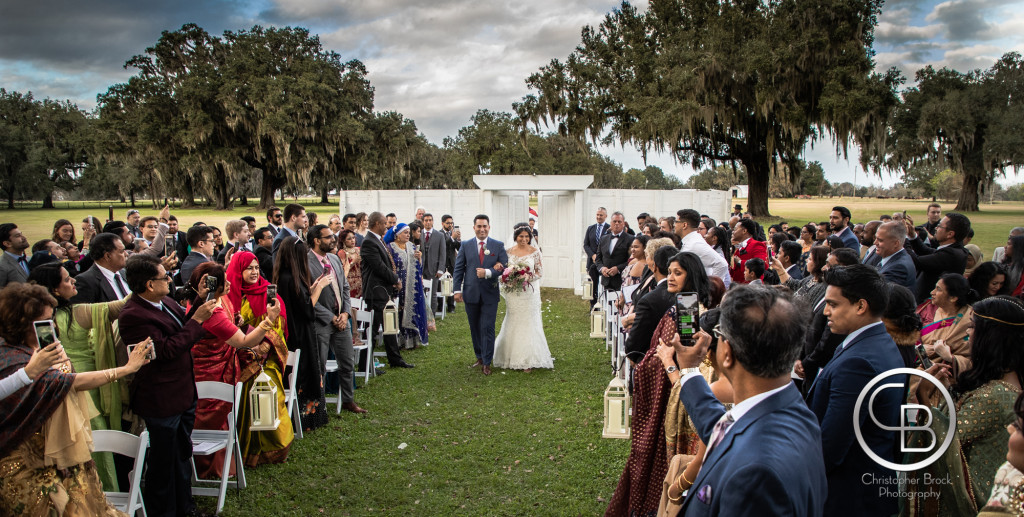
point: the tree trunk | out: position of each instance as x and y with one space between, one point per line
243 200
268 188
758 177
131 194
323 197
188 194
10 198
221 194
48 200
974 171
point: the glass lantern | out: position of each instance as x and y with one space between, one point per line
583 265
597 321
616 410
588 289
446 285
263 404
390 319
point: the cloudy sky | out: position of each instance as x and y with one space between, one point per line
438 62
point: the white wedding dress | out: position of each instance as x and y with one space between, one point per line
521 343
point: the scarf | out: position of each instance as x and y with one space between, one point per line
255 294
24 412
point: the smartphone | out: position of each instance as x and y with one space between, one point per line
272 294
46 333
211 286
110 212
92 225
455 228
923 356
168 247
687 317
151 355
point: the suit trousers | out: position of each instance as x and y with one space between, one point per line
340 342
169 471
481 322
390 342
595 277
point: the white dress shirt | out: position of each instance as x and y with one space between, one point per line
858 332
740 408
119 290
714 263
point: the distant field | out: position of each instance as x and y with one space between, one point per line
991 225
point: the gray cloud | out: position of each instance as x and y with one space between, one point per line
963 19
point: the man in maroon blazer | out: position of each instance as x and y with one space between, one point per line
747 247
163 392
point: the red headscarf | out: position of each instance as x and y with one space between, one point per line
256 293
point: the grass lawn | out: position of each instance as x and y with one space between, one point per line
513 443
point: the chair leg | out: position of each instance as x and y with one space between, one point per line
296 421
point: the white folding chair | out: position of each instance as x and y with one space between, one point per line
292 391
442 302
125 444
361 326
206 442
331 367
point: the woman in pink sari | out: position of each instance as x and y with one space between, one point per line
945 318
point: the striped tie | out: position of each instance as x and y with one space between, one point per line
718 433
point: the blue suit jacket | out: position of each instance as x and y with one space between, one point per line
833 396
899 269
769 462
850 240
478 290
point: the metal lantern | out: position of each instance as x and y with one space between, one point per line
616 410
390 319
583 265
588 289
263 404
597 321
446 284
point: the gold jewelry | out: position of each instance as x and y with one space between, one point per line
266 325
997 320
683 475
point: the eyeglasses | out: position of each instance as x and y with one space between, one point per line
717 331
167 276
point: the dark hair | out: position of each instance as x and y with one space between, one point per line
41 245
148 218
750 226
50 277
834 242
413 226
902 309
312 218
5 233
661 258
826 224
102 244
707 322
764 328
959 224
1014 264
690 216
173 218
793 232
662 234
643 215
652 227
428 214
139 270
860 282
995 345
196 234
271 210
374 218
792 250
843 212
248 218
346 217
60 224
258 235
115 227
716 291
291 257
445 217
983 274
342 236
777 227
314 233
481 216
642 239
778 239
957 286
522 228
21 304
696 276
755 266
845 256
819 254
722 240
811 228
210 268
292 210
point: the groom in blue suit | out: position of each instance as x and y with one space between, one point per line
477 269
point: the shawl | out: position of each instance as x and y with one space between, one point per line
24 412
412 314
255 294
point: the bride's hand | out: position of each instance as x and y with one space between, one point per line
498 267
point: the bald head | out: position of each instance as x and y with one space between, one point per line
867 237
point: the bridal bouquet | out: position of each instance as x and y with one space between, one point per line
516 278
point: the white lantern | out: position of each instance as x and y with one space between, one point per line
616 410
263 404
597 321
583 265
390 319
588 289
447 285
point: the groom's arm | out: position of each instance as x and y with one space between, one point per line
502 259
460 271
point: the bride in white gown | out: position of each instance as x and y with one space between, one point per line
521 344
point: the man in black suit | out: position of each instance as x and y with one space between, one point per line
650 308
891 258
453 240
591 240
379 283
295 223
103 282
264 239
237 231
178 238
200 238
949 257
789 255
274 220
163 392
613 253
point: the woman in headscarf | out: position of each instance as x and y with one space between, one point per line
45 437
974 257
411 301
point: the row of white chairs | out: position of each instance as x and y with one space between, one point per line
615 340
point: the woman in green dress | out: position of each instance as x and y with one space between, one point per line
984 399
86 332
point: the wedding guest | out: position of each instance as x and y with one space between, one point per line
275 220
45 444
822 231
218 240
720 239
295 221
247 294
392 220
753 271
14 264
946 318
238 238
789 258
87 336
435 256
453 239
988 279
264 240
163 392
38 364
613 253
634 270
103 281
747 247
949 257
200 240
348 252
335 225
299 292
889 256
132 218
839 220
178 238
380 282
1007 496
312 219
974 257
903 323
984 398
63 231
691 240
648 282
1013 264
650 308
230 355
352 222
362 224
1000 252
411 302
591 241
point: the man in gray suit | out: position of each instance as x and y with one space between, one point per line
893 262
331 322
14 264
435 254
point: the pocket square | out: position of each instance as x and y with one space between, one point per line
704 494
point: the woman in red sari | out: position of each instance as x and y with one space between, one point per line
225 354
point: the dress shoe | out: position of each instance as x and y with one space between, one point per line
379 371
403 364
353 407
487 369
477 363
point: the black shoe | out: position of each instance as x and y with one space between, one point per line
379 371
403 364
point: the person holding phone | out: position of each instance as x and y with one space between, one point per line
45 451
42 359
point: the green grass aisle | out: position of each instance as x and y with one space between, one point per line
513 443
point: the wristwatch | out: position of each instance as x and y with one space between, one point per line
671 369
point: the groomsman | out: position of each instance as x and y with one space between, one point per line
591 240
435 254
453 240
613 253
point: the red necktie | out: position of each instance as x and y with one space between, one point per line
427 241
481 254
